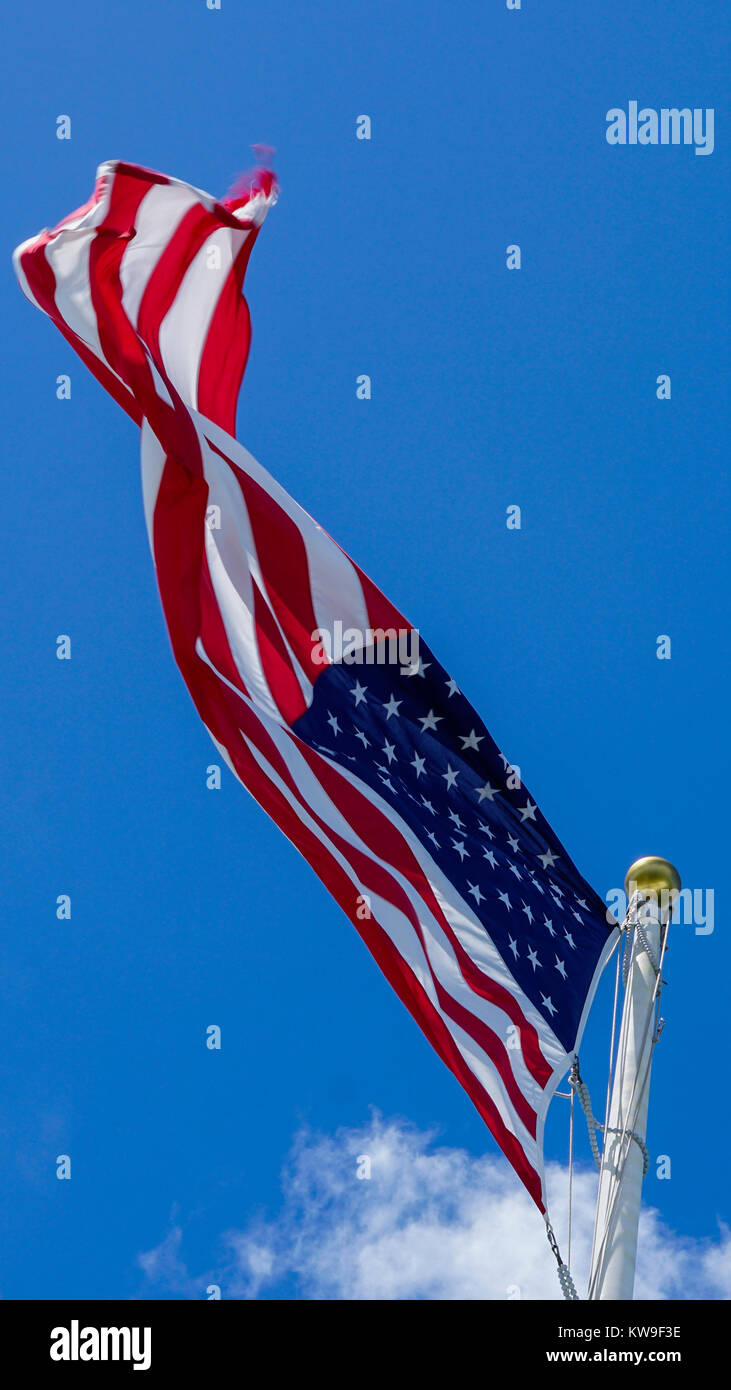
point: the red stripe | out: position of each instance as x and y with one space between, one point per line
138 171
276 663
165 280
226 349
42 282
381 612
177 539
120 343
283 564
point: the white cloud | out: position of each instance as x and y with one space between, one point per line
430 1223
163 1266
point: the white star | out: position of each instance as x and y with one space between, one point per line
538 886
513 946
546 1001
462 852
515 871
392 707
474 890
513 844
390 751
581 903
454 817
570 939
555 889
486 791
561 968
453 688
430 721
418 763
450 777
548 859
528 812
471 739
431 836
359 693
388 783
548 924
332 721
418 668
365 741
527 911
490 857
533 958
486 831
428 805
505 899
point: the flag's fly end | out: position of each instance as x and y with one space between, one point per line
256 190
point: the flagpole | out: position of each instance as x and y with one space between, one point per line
649 885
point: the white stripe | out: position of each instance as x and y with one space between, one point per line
158 217
152 462
185 327
305 684
68 256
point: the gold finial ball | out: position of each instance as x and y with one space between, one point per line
652 875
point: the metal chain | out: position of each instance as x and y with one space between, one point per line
639 929
592 1124
633 919
640 1143
628 946
568 1287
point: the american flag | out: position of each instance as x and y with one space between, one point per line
377 768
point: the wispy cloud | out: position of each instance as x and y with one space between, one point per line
429 1223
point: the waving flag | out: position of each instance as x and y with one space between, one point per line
322 698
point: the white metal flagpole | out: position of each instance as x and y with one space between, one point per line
650 884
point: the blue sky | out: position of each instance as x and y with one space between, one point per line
490 388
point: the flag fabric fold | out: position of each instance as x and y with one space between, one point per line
322 698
